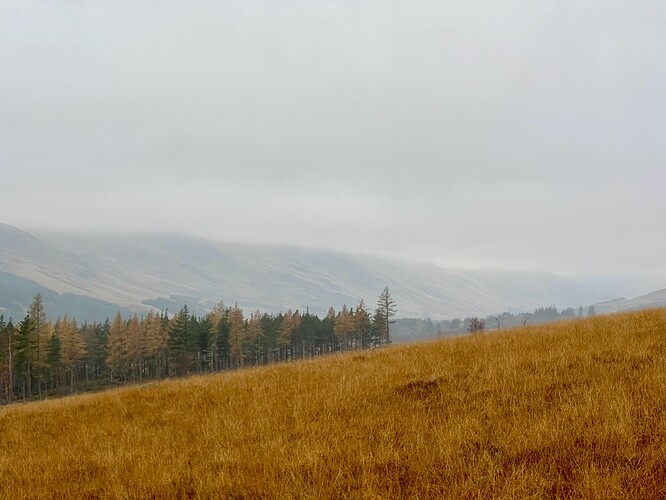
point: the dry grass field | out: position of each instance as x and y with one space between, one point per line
570 410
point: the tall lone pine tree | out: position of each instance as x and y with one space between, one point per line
387 306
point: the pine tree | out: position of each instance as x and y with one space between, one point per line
117 348
284 333
222 341
378 328
134 343
39 340
54 360
344 327
205 345
153 343
10 336
291 321
179 362
24 356
362 325
98 348
255 337
388 308
73 348
5 370
236 336
214 318
216 315
191 343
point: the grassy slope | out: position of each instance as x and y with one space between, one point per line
571 409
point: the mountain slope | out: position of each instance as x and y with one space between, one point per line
17 293
647 301
143 270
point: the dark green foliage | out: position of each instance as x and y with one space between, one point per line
96 347
54 362
23 356
53 353
203 329
179 342
222 344
6 330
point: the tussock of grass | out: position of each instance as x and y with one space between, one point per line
574 409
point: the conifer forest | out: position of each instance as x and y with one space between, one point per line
40 357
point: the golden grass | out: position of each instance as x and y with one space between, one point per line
573 409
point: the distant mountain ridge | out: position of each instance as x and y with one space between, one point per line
647 301
142 271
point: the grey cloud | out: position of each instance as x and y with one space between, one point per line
444 116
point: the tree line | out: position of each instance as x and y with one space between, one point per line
416 328
508 320
41 357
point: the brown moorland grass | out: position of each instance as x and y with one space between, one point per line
574 409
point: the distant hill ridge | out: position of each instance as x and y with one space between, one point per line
142 271
647 301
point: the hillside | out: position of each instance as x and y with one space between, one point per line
144 271
573 409
17 293
646 301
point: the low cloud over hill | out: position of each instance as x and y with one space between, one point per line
140 271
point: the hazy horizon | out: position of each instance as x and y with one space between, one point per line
605 285
513 136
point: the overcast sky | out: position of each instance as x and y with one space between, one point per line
516 134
